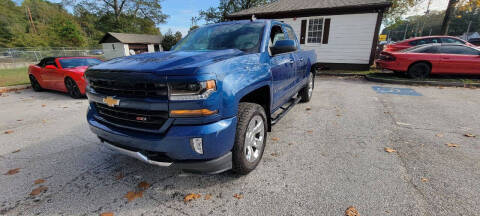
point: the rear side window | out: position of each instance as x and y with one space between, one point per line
425 41
427 49
452 40
458 50
50 61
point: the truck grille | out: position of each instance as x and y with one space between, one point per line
143 119
130 88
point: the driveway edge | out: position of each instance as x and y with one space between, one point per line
14 88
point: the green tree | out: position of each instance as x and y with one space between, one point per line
170 39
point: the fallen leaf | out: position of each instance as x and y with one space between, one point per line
389 150
13 171
143 185
44 121
16 151
339 114
351 211
470 135
308 108
107 214
309 131
238 196
131 195
8 132
275 139
274 154
191 197
404 124
65 107
39 181
208 196
38 190
119 176
424 179
452 145
43 105
19 120
439 135
290 144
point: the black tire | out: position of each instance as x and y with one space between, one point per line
35 84
419 70
72 88
248 114
307 91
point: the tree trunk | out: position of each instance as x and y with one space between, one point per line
448 14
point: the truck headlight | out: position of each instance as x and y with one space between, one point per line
192 90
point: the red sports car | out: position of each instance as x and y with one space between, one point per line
63 74
423 40
420 61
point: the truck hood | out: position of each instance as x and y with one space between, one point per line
168 63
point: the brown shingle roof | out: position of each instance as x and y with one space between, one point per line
291 6
133 38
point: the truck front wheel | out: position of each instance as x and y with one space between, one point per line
307 91
250 138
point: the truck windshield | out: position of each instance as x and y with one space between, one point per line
243 36
77 62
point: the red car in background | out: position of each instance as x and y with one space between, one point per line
423 40
63 74
420 61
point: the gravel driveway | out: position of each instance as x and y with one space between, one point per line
321 158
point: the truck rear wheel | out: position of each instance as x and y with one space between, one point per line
307 92
250 138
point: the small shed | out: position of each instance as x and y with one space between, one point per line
122 44
344 34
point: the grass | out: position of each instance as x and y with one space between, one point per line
15 76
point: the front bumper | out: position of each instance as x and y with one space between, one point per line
174 143
214 166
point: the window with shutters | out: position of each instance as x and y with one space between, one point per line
315 30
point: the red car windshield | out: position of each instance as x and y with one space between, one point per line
77 62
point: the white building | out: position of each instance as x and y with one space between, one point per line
344 34
121 44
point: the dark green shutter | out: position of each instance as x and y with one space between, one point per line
326 31
303 31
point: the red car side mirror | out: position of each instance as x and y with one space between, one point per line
50 67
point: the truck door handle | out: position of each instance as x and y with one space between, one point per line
300 59
291 61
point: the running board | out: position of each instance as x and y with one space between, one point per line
293 102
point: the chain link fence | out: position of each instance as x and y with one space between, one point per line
22 57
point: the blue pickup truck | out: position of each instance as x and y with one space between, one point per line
206 105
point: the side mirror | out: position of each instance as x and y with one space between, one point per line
50 67
283 46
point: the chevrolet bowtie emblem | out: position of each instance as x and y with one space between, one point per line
111 102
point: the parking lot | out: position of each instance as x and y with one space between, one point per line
323 157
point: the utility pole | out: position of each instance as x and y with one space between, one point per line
468 30
31 20
405 34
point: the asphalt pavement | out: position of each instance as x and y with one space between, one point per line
321 158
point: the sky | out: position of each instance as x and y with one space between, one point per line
181 12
